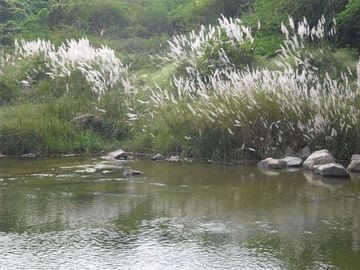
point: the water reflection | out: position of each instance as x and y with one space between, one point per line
332 184
175 216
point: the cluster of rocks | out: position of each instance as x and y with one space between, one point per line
321 162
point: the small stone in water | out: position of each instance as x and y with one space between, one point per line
355 164
332 170
129 172
31 155
292 161
271 163
158 157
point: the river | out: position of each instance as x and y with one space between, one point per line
82 213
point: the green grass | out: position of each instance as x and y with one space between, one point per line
43 129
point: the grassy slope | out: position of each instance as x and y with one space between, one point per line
38 123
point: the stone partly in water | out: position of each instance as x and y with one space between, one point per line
30 155
87 121
129 172
293 161
332 170
355 164
1 155
158 157
321 157
118 154
271 163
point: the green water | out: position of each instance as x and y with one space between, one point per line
79 213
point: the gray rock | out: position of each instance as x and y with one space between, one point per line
129 172
355 164
158 157
293 161
271 163
118 154
87 121
321 157
332 170
173 159
2 156
304 153
30 155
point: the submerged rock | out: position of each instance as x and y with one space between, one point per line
158 157
320 157
332 170
87 121
129 172
271 163
355 164
118 154
293 161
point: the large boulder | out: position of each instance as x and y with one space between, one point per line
87 121
320 157
355 164
271 163
332 170
293 161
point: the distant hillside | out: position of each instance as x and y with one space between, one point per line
119 19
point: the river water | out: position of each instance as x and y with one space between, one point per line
82 213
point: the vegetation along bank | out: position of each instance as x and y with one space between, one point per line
220 80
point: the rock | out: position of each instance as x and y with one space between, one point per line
2 156
129 172
87 121
293 161
332 170
271 163
69 155
321 157
30 155
304 153
173 159
118 154
355 164
158 157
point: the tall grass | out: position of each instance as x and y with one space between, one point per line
100 66
236 112
222 102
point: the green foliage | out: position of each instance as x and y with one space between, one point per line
33 128
34 117
349 24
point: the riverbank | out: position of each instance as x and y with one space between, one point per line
241 106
